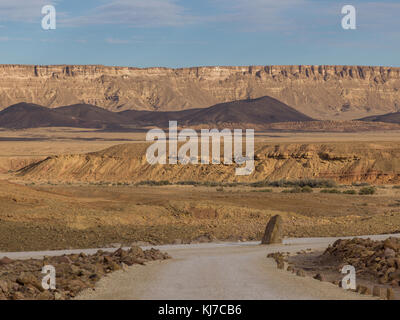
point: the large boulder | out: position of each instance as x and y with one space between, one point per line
273 231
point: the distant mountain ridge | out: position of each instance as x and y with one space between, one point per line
28 115
321 92
259 111
393 117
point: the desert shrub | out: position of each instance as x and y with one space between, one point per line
367 191
211 184
220 189
306 189
154 183
233 184
188 183
330 191
312 183
360 184
259 184
262 190
297 189
350 192
396 187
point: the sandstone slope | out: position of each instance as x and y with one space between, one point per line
344 162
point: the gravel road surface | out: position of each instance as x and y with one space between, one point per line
216 271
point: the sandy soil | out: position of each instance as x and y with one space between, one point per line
41 217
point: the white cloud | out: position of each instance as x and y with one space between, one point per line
243 15
5 38
22 10
257 15
117 41
135 13
309 16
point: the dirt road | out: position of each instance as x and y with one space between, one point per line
220 271
214 271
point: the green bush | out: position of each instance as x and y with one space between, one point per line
360 184
154 183
350 192
305 189
330 191
293 190
187 183
367 191
262 190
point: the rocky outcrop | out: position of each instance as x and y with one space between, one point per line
321 92
378 260
22 280
377 163
273 231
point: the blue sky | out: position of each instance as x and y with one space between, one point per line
182 33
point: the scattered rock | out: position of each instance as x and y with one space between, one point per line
59 296
391 243
3 286
21 279
379 292
319 277
26 279
389 253
273 231
5 260
205 238
377 259
300 273
363 290
64 259
390 294
141 244
17 296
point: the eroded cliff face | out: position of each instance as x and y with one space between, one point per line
322 92
347 162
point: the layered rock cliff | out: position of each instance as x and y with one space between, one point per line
344 162
322 92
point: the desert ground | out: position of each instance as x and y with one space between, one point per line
48 204
37 214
